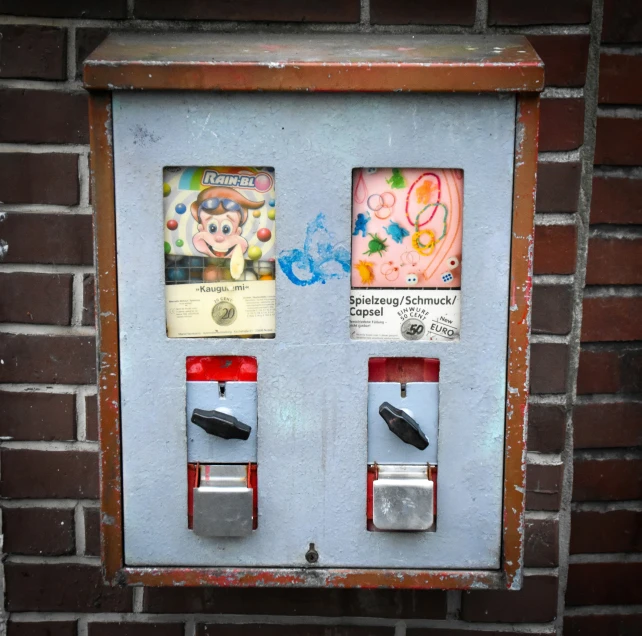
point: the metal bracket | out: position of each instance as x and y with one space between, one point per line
421 401
238 399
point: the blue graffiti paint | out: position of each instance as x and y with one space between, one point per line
396 232
361 224
321 258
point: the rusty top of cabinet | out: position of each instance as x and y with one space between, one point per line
316 63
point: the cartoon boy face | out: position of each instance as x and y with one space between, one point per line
220 214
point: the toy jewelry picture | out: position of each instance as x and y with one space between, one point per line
406 253
219 245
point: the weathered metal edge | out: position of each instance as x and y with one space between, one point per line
103 194
314 577
517 388
315 77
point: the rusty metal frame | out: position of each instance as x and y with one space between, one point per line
509 576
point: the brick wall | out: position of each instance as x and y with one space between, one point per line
584 483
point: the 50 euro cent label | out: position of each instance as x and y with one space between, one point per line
240 308
405 314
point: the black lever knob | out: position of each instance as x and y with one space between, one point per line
220 424
403 426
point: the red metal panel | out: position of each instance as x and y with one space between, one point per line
221 368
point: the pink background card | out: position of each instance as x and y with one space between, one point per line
406 227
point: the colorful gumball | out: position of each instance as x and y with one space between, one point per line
254 253
180 208
272 203
180 243
176 274
264 234
211 274
262 183
172 224
271 215
256 214
166 189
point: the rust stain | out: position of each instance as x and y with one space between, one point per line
314 577
324 63
519 336
102 181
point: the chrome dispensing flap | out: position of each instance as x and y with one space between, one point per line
403 498
223 504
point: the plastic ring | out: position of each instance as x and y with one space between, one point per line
375 208
382 216
390 195
427 248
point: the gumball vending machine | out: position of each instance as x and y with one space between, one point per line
314 262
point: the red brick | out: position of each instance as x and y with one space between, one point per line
618 141
619 79
136 629
33 52
614 261
616 200
37 416
39 178
31 474
608 531
565 58
546 428
92 531
275 11
622 21
108 9
91 417
424 12
88 305
604 584
437 631
549 366
305 602
87 39
603 625
552 309
607 479
541 543
39 531
544 486
62 587
542 12
67 241
51 359
43 299
32 116
612 318
558 186
555 247
536 602
216 629
616 369
561 124
613 425
47 627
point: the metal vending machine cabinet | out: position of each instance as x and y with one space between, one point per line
314 262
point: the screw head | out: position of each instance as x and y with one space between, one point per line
311 556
